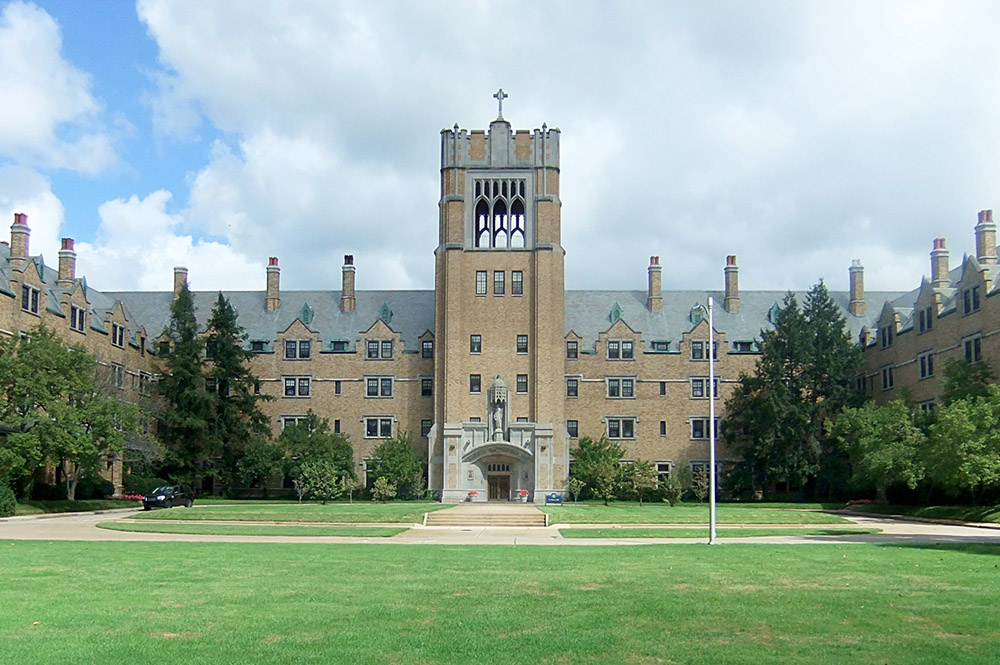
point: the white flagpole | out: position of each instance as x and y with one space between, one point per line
711 424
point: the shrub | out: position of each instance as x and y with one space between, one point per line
383 490
48 492
93 488
672 491
7 500
141 484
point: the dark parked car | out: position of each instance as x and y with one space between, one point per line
168 496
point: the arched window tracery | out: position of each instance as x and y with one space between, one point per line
500 219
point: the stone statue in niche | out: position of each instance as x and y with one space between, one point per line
498 404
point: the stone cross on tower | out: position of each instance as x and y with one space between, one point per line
500 96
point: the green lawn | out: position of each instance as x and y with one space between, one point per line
42 507
255 529
402 512
688 513
963 513
190 603
702 532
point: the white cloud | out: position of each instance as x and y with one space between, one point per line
49 117
27 191
767 131
138 244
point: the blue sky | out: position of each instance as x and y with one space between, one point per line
796 135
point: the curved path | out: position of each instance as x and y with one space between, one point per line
83 526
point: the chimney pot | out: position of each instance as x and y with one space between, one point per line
731 303
348 259
67 264
654 260
986 239
19 237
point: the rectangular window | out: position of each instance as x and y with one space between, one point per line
663 470
614 350
338 346
77 318
145 380
572 428
118 375
373 347
336 426
926 361
926 319
661 347
516 282
305 349
927 407
475 383
699 387
297 349
257 346
427 349
697 350
117 335
700 429
164 349
885 337
475 343
572 387
29 299
288 421
572 350
378 386
621 428
973 348
627 350
297 386
426 387
425 428
256 387
498 282
291 349
663 388
480 282
522 343
378 427
888 381
386 349
970 300
522 383
336 387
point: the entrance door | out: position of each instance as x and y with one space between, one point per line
499 488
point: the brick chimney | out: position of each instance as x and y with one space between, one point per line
19 234
654 296
857 274
986 238
180 279
939 264
732 300
67 264
347 300
272 298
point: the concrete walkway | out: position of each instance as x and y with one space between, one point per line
83 526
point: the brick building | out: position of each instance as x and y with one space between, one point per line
499 369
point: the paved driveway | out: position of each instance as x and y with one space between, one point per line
83 526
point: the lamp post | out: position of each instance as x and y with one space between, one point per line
711 424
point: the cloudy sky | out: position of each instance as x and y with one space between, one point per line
795 135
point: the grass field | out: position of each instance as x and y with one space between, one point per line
255 529
689 513
42 507
962 513
702 532
186 603
401 512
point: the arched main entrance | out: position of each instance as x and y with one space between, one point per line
503 468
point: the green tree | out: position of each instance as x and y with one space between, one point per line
383 490
641 478
964 451
311 439
322 479
884 445
186 421
596 463
50 396
397 461
262 459
962 380
775 418
574 486
237 418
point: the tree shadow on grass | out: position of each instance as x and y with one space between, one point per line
989 549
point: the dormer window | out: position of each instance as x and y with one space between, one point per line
298 349
379 349
257 346
118 334
77 318
29 298
970 300
925 319
885 336
338 346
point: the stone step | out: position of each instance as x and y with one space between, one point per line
486 519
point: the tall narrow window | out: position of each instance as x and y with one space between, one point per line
522 343
498 282
475 343
572 350
480 282
516 282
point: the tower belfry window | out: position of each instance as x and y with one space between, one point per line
500 213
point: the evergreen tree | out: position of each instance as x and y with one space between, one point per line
235 399
775 418
186 420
